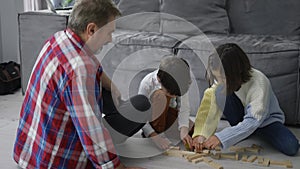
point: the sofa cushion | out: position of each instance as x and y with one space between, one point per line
207 15
139 15
281 17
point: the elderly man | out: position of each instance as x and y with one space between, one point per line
61 117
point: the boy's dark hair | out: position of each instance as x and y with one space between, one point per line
174 75
235 63
91 11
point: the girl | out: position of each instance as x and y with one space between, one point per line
251 106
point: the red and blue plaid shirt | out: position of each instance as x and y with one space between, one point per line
60 121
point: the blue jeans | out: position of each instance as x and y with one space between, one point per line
277 134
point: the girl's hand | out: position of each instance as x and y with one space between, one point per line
212 142
198 143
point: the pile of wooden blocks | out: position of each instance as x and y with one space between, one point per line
261 160
207 156
193 156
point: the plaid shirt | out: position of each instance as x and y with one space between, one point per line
60 121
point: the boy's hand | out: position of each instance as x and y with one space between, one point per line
198 143
185 137
212 142
162 143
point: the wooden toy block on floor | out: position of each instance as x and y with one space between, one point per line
237 149
218 148
230 156
206 151
194 156
245 158
178 153
197 160
252 158
216 156
174 148
254 148
266 162
260 160
287 163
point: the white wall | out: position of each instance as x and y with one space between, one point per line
9 10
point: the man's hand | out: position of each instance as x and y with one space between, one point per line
185 137
110 86
162 143
212 142
198 143
116 94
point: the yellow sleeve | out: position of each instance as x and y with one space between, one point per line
208 115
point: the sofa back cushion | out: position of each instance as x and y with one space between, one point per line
138 15
206 15
264 16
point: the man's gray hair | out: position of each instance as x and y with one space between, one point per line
91 11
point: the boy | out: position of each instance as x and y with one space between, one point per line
166 88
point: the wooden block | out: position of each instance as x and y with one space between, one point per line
174 148
251 149
230 156
266 162
236 156
287 163
237 149
197 160
205 151
260 159
211 163
205 159
218 148
245 158
195 156
178 153
252 158
216 156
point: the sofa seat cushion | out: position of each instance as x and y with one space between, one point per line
154 39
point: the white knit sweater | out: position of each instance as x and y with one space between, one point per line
261 108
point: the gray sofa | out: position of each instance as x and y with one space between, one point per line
267 30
